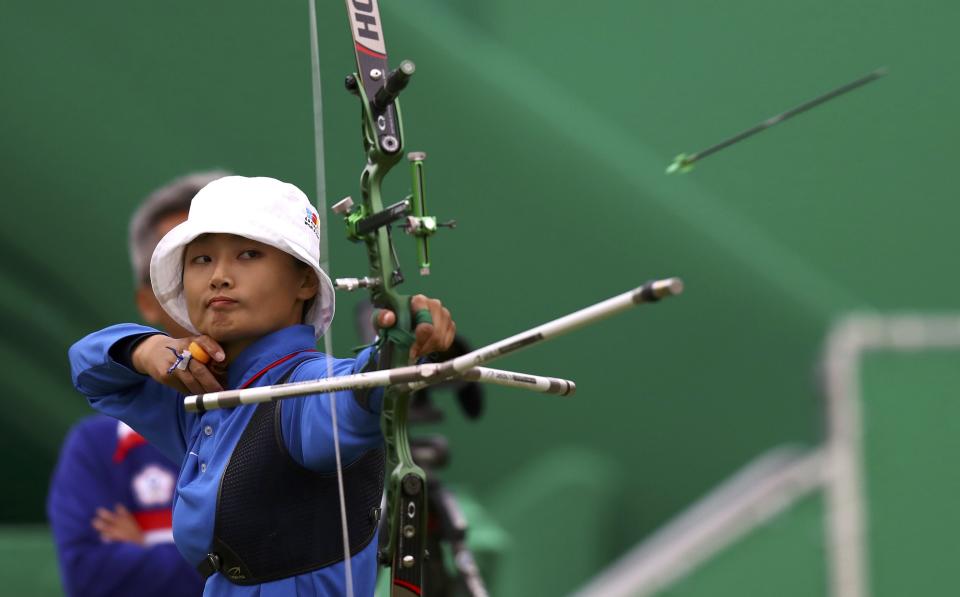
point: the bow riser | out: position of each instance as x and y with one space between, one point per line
406 487
403 547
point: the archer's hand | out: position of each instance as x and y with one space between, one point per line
153 357
117 525
435 337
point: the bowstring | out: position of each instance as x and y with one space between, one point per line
325 265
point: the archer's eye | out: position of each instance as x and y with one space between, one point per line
250 254
200 259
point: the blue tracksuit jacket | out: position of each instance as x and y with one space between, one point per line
203 443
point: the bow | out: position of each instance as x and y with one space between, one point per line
371 222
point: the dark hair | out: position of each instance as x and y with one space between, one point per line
307 304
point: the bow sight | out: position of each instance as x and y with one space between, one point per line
377 87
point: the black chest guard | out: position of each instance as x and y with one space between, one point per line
277 519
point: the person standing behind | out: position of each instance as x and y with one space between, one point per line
111 492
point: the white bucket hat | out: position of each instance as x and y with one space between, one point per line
263 209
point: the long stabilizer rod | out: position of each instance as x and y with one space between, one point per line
418 376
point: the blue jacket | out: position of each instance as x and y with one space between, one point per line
203 443
103 463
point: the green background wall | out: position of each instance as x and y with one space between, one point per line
548 126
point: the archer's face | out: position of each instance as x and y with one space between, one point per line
238 289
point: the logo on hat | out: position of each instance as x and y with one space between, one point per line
312 221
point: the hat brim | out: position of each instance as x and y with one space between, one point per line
166 272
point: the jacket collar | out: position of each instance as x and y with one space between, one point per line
266 351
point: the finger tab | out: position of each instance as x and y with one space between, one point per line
199 353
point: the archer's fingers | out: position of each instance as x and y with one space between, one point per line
385 318
203 376
422 335
451 335
444 324
178 385
442 328
189 381
421 301
434 336
209 346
